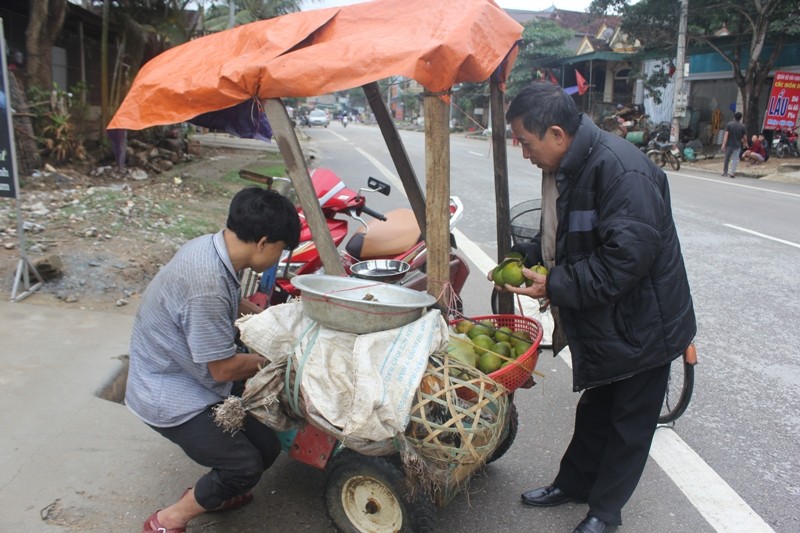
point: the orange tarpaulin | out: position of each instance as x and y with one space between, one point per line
436 42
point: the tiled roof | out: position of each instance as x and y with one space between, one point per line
577 21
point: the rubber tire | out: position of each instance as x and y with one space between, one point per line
513 427
657 158
674 161
419 514
673 409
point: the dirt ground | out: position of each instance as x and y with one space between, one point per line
112 231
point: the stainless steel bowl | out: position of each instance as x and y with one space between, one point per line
339 303
385 270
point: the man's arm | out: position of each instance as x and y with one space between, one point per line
246 307
237 367
724 140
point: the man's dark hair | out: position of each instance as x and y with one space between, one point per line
256 213
738 115
544 104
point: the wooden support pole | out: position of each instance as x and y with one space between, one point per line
292 154
437 184
398 152
497 108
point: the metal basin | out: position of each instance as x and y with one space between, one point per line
385 270
339 303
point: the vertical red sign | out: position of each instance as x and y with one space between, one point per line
784 102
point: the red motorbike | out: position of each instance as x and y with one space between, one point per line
389 248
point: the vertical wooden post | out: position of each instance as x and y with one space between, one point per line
496 102
437 184
398 153
296 168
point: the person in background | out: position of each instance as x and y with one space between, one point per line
766 144
184 358
755 153
735 136
618 291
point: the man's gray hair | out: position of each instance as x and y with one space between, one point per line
544 104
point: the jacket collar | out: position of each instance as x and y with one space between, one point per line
581 148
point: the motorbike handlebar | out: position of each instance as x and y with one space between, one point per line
373 213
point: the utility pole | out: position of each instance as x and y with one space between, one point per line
679 99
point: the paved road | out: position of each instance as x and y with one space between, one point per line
71 461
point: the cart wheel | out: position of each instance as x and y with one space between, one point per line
679 391
367 494
509 434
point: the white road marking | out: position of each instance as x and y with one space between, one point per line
478 154
711 496
763 236
342 137
734 184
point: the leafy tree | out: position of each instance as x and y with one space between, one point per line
541 40
44 25
752 24
246 11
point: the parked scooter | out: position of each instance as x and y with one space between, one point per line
392 236
784 144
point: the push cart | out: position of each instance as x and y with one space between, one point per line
374 494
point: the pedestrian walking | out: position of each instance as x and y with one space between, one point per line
733 140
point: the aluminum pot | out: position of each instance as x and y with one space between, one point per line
359 306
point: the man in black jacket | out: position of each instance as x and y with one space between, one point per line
618 289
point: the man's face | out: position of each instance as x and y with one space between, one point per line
267 254
545 153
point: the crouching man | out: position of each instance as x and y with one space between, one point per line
184 360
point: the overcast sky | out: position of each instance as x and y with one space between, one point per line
529 5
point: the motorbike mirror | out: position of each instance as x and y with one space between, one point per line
379 186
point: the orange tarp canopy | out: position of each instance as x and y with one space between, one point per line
436 42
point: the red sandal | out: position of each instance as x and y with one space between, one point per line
152 525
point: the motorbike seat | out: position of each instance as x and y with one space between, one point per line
400 232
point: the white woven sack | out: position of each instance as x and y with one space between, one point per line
362 385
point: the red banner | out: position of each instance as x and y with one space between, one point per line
784 102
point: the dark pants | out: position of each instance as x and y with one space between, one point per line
614 426
236 461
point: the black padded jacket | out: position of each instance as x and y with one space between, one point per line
619 281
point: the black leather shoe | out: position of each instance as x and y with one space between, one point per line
548 496
592 524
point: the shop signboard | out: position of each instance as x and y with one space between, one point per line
784 102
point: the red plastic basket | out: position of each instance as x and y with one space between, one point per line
512 376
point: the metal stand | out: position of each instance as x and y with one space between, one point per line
24 267
22 273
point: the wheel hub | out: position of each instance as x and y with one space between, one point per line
371 506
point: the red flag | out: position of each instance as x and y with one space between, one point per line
553 79
582 85
671 68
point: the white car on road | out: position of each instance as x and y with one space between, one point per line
318 117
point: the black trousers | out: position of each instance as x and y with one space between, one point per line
236 461
614 427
